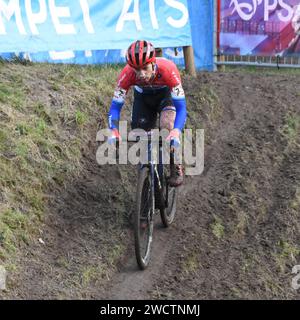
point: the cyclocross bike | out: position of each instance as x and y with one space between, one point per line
153 195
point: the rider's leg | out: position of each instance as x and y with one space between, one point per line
167 118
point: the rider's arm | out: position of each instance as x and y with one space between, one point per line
124 83
179 102
115 108
173 80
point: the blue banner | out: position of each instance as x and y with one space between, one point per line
45 25
88 57
202 25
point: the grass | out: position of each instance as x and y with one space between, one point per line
218 229
80 118
242 223
115 253
204 101
295 203
206 97
264 70
286 252
291 128
12 226
43 125
191 263
12 93
92 274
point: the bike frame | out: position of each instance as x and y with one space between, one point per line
157 170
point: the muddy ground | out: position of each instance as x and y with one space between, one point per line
237 230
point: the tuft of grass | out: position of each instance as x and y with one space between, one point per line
12 226
262 211
247 264
208 100
291 128
242 223
41 110
80 118
12 94
236 293
92 274
22 129
22 149
217 228
115 253
287 252
40 126
3 140
191 263
295 204
271 285
158 294
55 86
233 201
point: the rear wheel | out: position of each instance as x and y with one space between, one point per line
143 218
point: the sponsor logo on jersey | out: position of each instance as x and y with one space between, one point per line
119 95
177 92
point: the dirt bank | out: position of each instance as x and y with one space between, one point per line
237 230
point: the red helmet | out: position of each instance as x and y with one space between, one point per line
140 53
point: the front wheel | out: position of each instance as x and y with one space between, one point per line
169 195
143 218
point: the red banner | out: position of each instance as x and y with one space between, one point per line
260 27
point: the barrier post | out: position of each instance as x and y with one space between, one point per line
158 52
222 66
216 21
189 60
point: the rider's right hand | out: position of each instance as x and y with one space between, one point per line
115 136
174 138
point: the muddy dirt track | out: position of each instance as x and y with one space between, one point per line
237 229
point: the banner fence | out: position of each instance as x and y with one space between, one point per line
260 28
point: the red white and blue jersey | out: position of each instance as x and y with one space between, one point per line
166 75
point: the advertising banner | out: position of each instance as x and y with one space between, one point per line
65 25
260 27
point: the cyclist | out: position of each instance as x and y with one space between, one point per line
157 89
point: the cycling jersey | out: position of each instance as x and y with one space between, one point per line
166 76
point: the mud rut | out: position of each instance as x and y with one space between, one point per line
250 178
131 283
